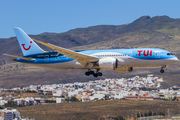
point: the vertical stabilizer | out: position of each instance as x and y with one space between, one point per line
27 45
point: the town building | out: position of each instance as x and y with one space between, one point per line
10 114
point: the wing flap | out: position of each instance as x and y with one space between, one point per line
81 58
24 58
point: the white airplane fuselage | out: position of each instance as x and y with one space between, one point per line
130 58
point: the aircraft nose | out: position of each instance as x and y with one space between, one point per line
175 59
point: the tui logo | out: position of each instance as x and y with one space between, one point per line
26 48
149 52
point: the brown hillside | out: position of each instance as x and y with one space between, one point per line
97 110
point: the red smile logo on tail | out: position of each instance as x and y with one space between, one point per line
26 48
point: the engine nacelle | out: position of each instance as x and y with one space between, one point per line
124 69
108 63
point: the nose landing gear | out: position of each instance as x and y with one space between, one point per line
163 66
90 72
162 71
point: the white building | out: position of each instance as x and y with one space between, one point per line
98 96
60 100
57 93
10 114
2 102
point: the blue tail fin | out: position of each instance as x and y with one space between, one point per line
27 45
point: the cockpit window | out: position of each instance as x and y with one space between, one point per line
169 54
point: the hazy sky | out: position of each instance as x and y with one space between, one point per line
38 16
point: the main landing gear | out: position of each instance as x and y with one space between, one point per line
95 74
163 66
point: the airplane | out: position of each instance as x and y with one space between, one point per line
119 60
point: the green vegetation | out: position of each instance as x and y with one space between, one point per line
50 101
148 114
72 99
174 99
147 89
175 31
1 107
119 117
11 104
30 91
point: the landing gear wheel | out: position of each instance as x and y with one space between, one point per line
87 73
95 74
91 72
99 74
163 66
162 71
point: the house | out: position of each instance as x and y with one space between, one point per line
10 114
86 99
132 97
98 96
60 100
145 98
47 92
57 93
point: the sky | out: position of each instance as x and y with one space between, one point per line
57 16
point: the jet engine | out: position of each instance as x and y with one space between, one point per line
124 69
108 63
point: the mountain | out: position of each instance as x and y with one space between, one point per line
156 32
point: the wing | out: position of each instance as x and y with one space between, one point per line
24 58
83 59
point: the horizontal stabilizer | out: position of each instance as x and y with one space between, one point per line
24 58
